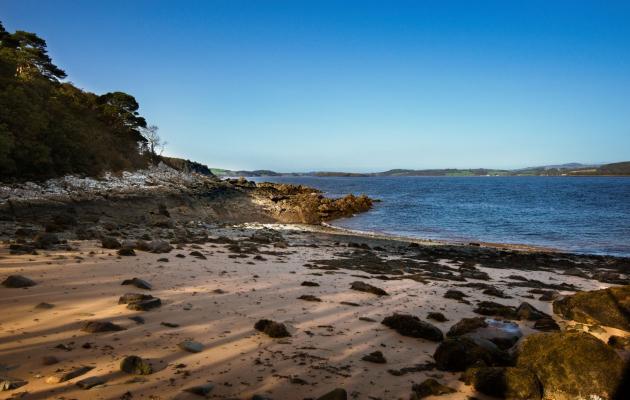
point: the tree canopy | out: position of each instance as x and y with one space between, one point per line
50 128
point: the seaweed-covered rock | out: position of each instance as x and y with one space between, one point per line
505 382
139 301
571 364
460 353
410 325
454 294
365 287
437 316
272 329
18 281
429 387
491 308
610 307
135 365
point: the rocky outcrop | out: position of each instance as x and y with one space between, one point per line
610 307
291 203
571 365
460 353
162 197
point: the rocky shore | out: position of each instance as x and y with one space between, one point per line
187 287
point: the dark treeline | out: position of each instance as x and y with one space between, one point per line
51 128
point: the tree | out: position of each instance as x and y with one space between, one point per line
154 143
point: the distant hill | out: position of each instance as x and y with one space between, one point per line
570 169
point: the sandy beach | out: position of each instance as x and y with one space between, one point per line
217 300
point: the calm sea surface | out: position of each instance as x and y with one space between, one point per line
586 215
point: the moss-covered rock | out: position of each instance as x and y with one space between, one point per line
571 364
505 382
610 307
135 365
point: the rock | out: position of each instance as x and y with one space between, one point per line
100 326
126 251
308 297
137 282
409 325
49 360
69 375
548 295
455 294
8 383
145 305
135 365
571 364
109 242
198 255
201 390
365 287
492 291
159 246
137 319
45 240
462 352
169 324
191 346
437 316
139 301
89 383
495 309
546 325
272 329
502 333
336 394
44 306
619 342
530 313
505 382
609 307
18 281
429 387
308 283
374 357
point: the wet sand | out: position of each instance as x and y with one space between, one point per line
216 302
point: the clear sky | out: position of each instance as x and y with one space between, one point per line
356 85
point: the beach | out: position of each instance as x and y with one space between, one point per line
238 276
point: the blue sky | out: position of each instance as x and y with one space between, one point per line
356 86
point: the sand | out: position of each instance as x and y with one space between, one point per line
216 302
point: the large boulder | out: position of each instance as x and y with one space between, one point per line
159 246
505 382
610 307
410 325
571 365
460 353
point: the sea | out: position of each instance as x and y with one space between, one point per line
589 215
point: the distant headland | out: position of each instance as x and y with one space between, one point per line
571 169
